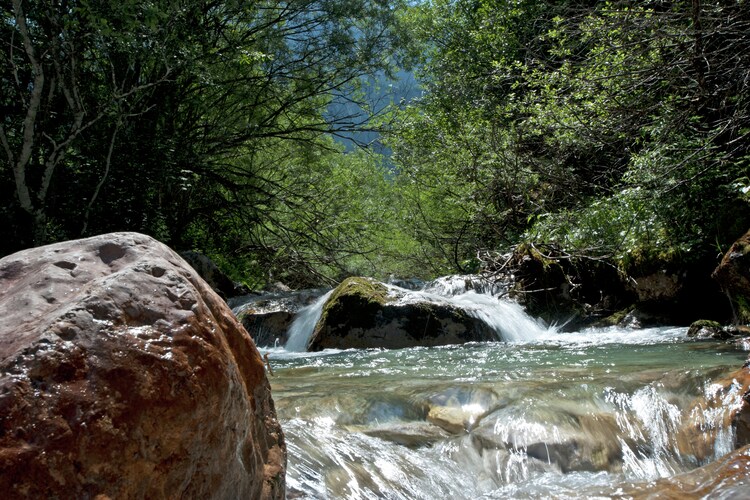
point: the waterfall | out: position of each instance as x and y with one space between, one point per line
304 324
508 319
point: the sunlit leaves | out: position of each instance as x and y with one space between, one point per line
620 124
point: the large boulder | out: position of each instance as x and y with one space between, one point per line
362 313
733 275
123 375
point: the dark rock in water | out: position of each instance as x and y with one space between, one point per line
733 275
267 317
267 328
123 375
705 329
362 313
712 330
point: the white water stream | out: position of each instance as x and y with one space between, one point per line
506 318
542 414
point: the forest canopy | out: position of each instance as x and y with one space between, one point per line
613 130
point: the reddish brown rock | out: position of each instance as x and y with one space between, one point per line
733 275
123 374
724 405
724 478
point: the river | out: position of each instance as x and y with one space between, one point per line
596 413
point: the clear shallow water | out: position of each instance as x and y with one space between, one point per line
564 415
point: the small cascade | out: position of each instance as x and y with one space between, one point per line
508 319
304 324
458 284
545 419
594 413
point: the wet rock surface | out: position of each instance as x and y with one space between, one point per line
727 475
362 313
582 443
733 275
268 316
123 374
724 405
711 330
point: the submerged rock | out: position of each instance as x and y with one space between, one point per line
123 375
455 419
362 313
584 443
412 434
724 405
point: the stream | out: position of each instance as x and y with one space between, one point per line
542 414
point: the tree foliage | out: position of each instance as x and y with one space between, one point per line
180 118
612 129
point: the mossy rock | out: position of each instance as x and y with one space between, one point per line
704 329
362 313
616 318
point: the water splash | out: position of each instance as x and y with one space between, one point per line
458 284
586 421
304 324
649 422
508 319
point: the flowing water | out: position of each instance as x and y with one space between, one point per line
539 415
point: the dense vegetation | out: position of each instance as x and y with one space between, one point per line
610 130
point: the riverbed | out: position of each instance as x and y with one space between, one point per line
596 413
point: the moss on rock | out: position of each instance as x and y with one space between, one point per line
704 329
362 313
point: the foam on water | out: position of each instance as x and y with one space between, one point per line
506 318
304 324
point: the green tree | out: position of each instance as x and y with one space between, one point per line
149 115
612 129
